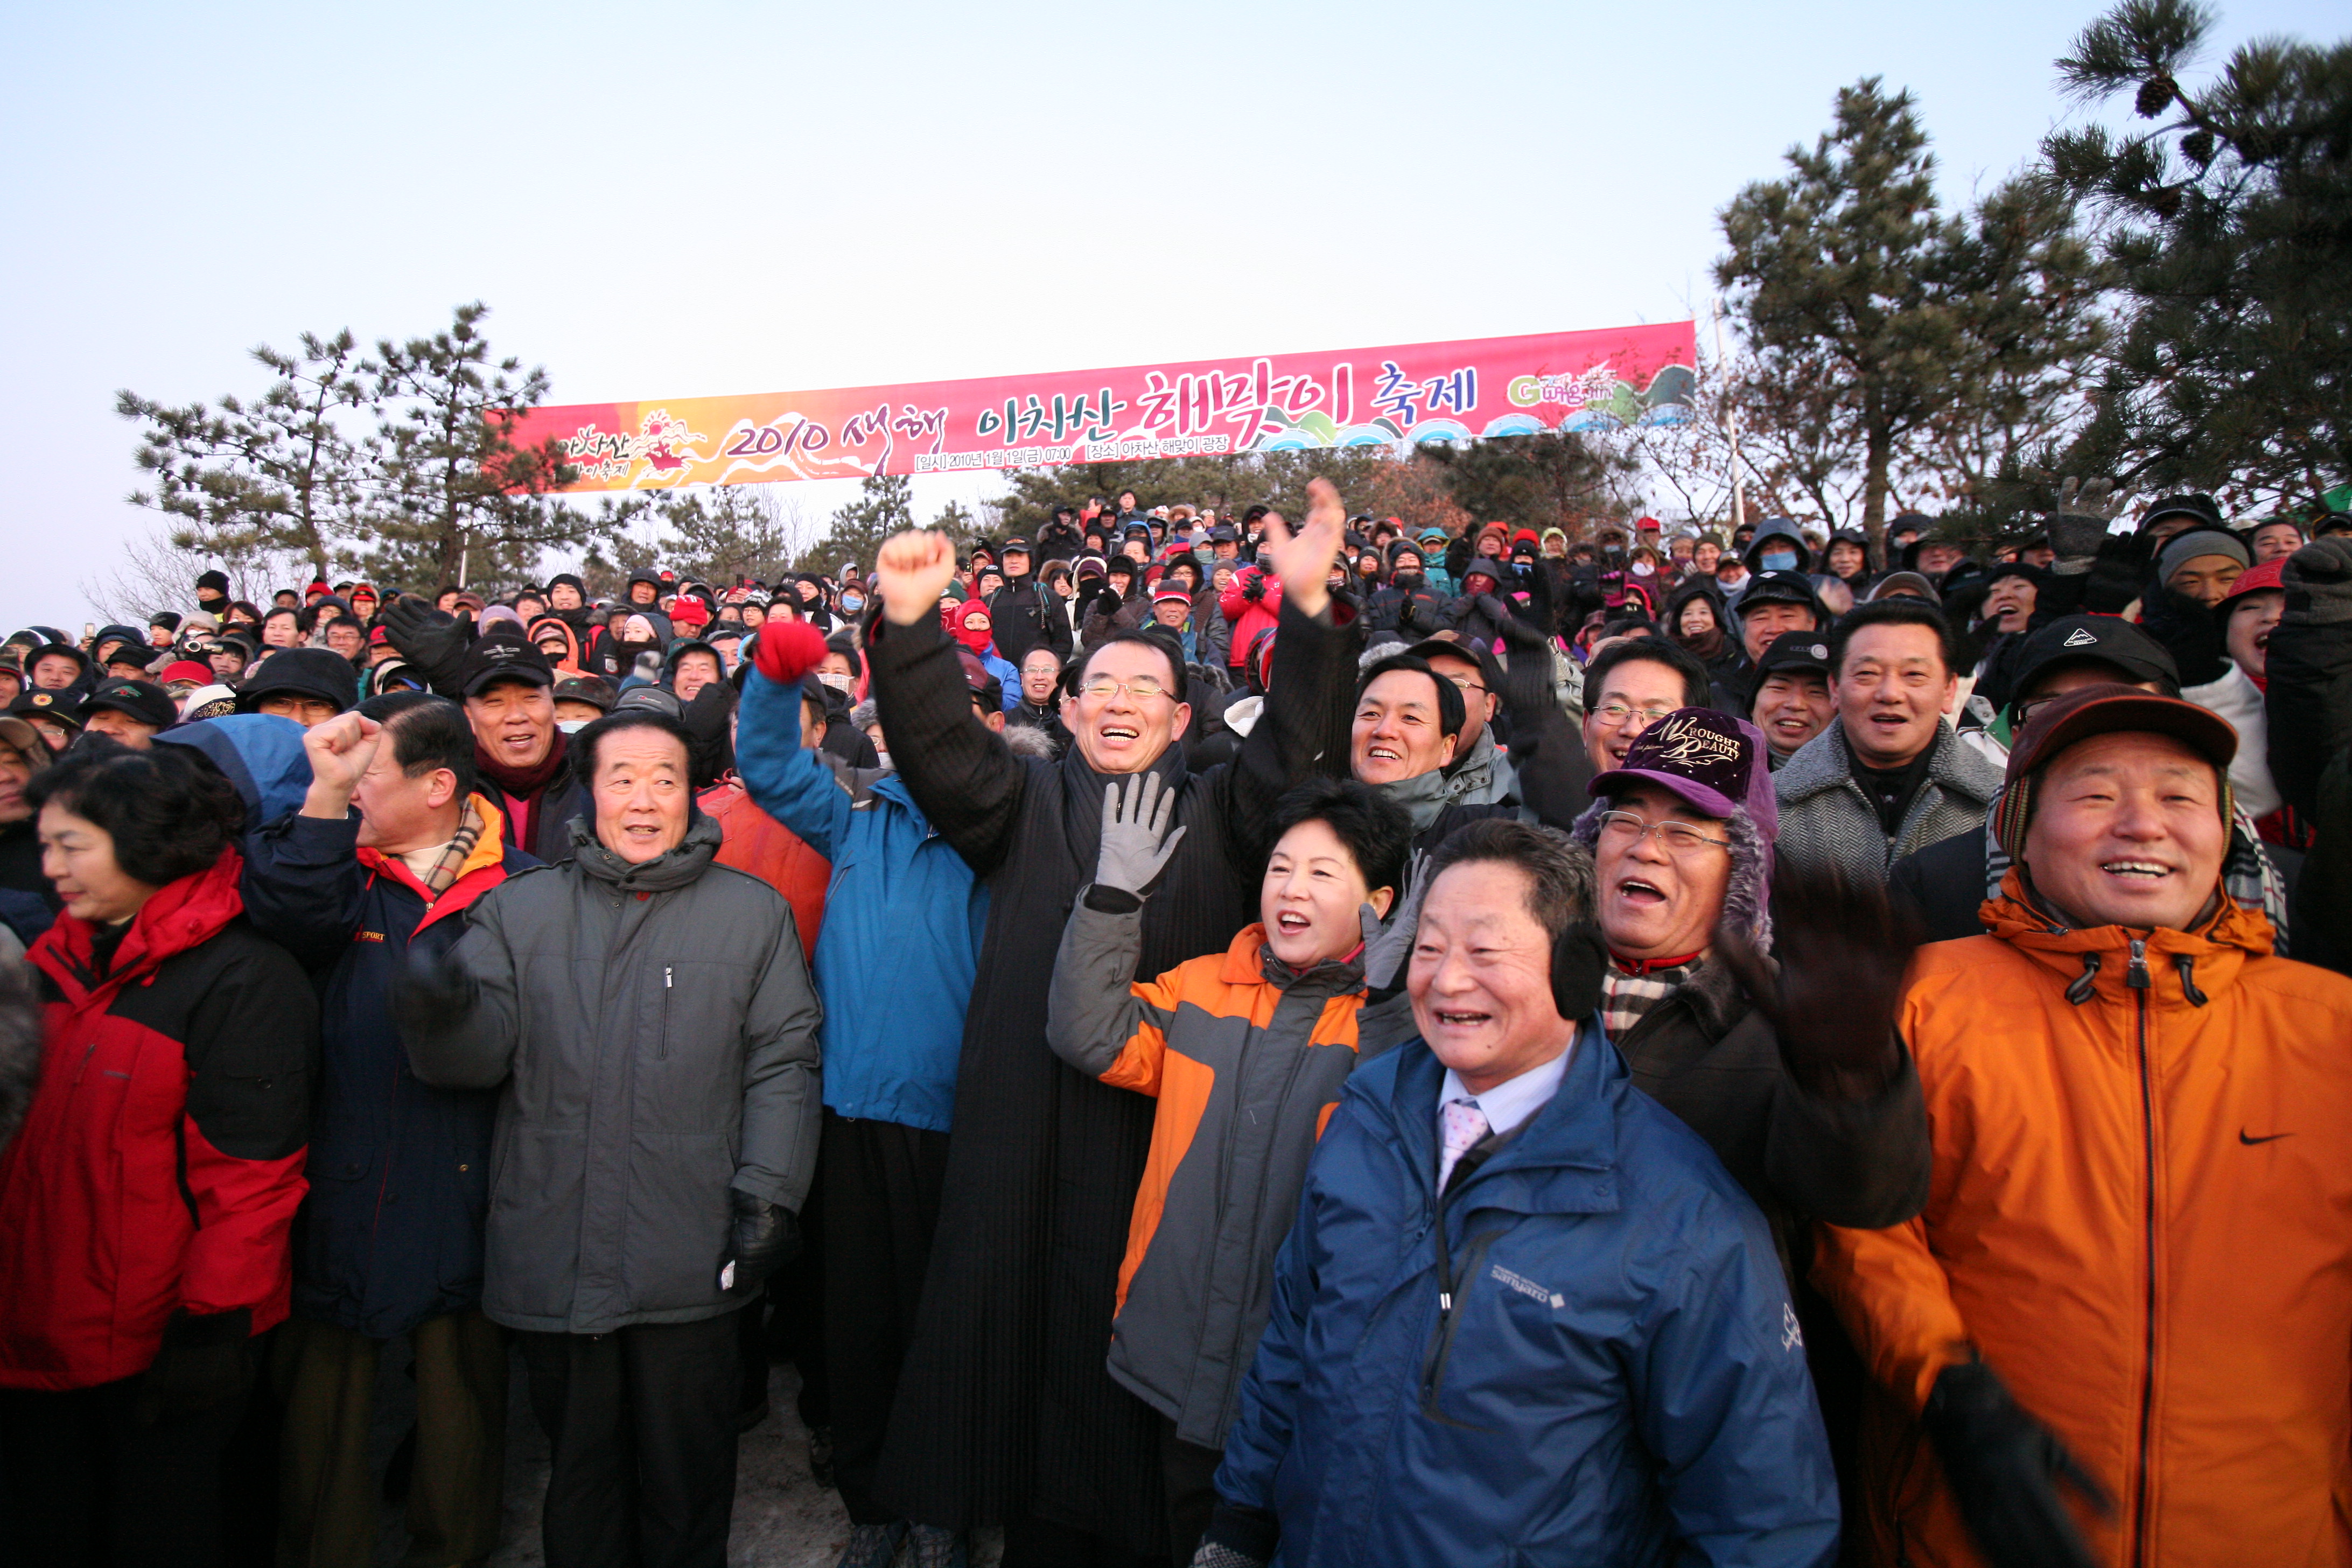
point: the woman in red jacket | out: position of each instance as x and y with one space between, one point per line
145 1206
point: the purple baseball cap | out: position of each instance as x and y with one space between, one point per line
1710 761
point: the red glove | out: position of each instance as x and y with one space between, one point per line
786 650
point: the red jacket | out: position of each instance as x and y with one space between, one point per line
1246 615
754 842
161 1162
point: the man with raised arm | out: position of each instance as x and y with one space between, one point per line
1004 1411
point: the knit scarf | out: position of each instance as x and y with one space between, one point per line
523 784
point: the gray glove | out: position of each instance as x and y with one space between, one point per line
1135 843
1388 948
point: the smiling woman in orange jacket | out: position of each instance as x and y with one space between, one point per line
2138 1237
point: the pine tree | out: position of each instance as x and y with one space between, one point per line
461 500
280 475
885 506
1554 480
1883 320
2229 224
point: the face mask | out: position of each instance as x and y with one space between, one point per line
883 755
1779 560
851 604
571 726
837 679
1644 569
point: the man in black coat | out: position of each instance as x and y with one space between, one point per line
1005 1412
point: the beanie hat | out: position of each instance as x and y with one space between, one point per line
318 672
2196 542
216 580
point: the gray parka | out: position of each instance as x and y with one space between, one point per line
657 1033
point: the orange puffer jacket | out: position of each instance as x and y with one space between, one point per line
2141 1218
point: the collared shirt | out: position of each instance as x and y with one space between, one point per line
1510 1104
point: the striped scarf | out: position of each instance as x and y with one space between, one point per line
444 869
1627 994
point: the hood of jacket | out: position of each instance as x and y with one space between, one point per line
551 625
262 755
671 869
1786 532
2088 958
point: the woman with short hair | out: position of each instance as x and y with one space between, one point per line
146 1206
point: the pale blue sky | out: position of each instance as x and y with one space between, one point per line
673 200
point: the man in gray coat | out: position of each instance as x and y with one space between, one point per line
1889 777
651 1019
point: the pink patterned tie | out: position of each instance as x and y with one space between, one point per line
1463 1124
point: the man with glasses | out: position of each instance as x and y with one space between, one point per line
1004 1411
1822 1124
1630 685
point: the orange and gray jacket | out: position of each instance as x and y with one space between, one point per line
1247 1060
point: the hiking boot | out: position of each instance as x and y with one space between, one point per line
937 1548
873 1545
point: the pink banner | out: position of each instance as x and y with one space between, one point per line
1399 396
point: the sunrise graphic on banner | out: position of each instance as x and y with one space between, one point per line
1404 396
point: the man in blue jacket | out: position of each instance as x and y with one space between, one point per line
895 963
1525 1314
389 849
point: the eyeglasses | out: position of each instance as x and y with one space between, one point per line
1623 828
1616 713
1466 683
1144 688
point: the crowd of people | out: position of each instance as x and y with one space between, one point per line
1206 1040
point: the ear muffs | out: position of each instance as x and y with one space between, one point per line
1578 962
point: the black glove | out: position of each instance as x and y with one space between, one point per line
1580 963
432 641
1844 948
1254 588
1526 677
2318 582
205 1362
706 716
2191 630
767 1236
2004 1469
436 991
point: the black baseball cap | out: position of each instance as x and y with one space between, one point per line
2102 639
1794 650
143 701
1778 588
1490 669
41 703
499 658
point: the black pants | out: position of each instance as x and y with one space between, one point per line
881 1185
1189 1472
88 1485
642 1425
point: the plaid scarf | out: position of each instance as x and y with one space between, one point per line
1629 992
444 869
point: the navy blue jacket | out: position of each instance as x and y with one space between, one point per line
1590 1359
899 948
391 1233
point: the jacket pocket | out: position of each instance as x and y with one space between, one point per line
679 1222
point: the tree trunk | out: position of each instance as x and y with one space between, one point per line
1878 447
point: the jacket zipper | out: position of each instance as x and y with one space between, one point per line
669 983
2137 980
